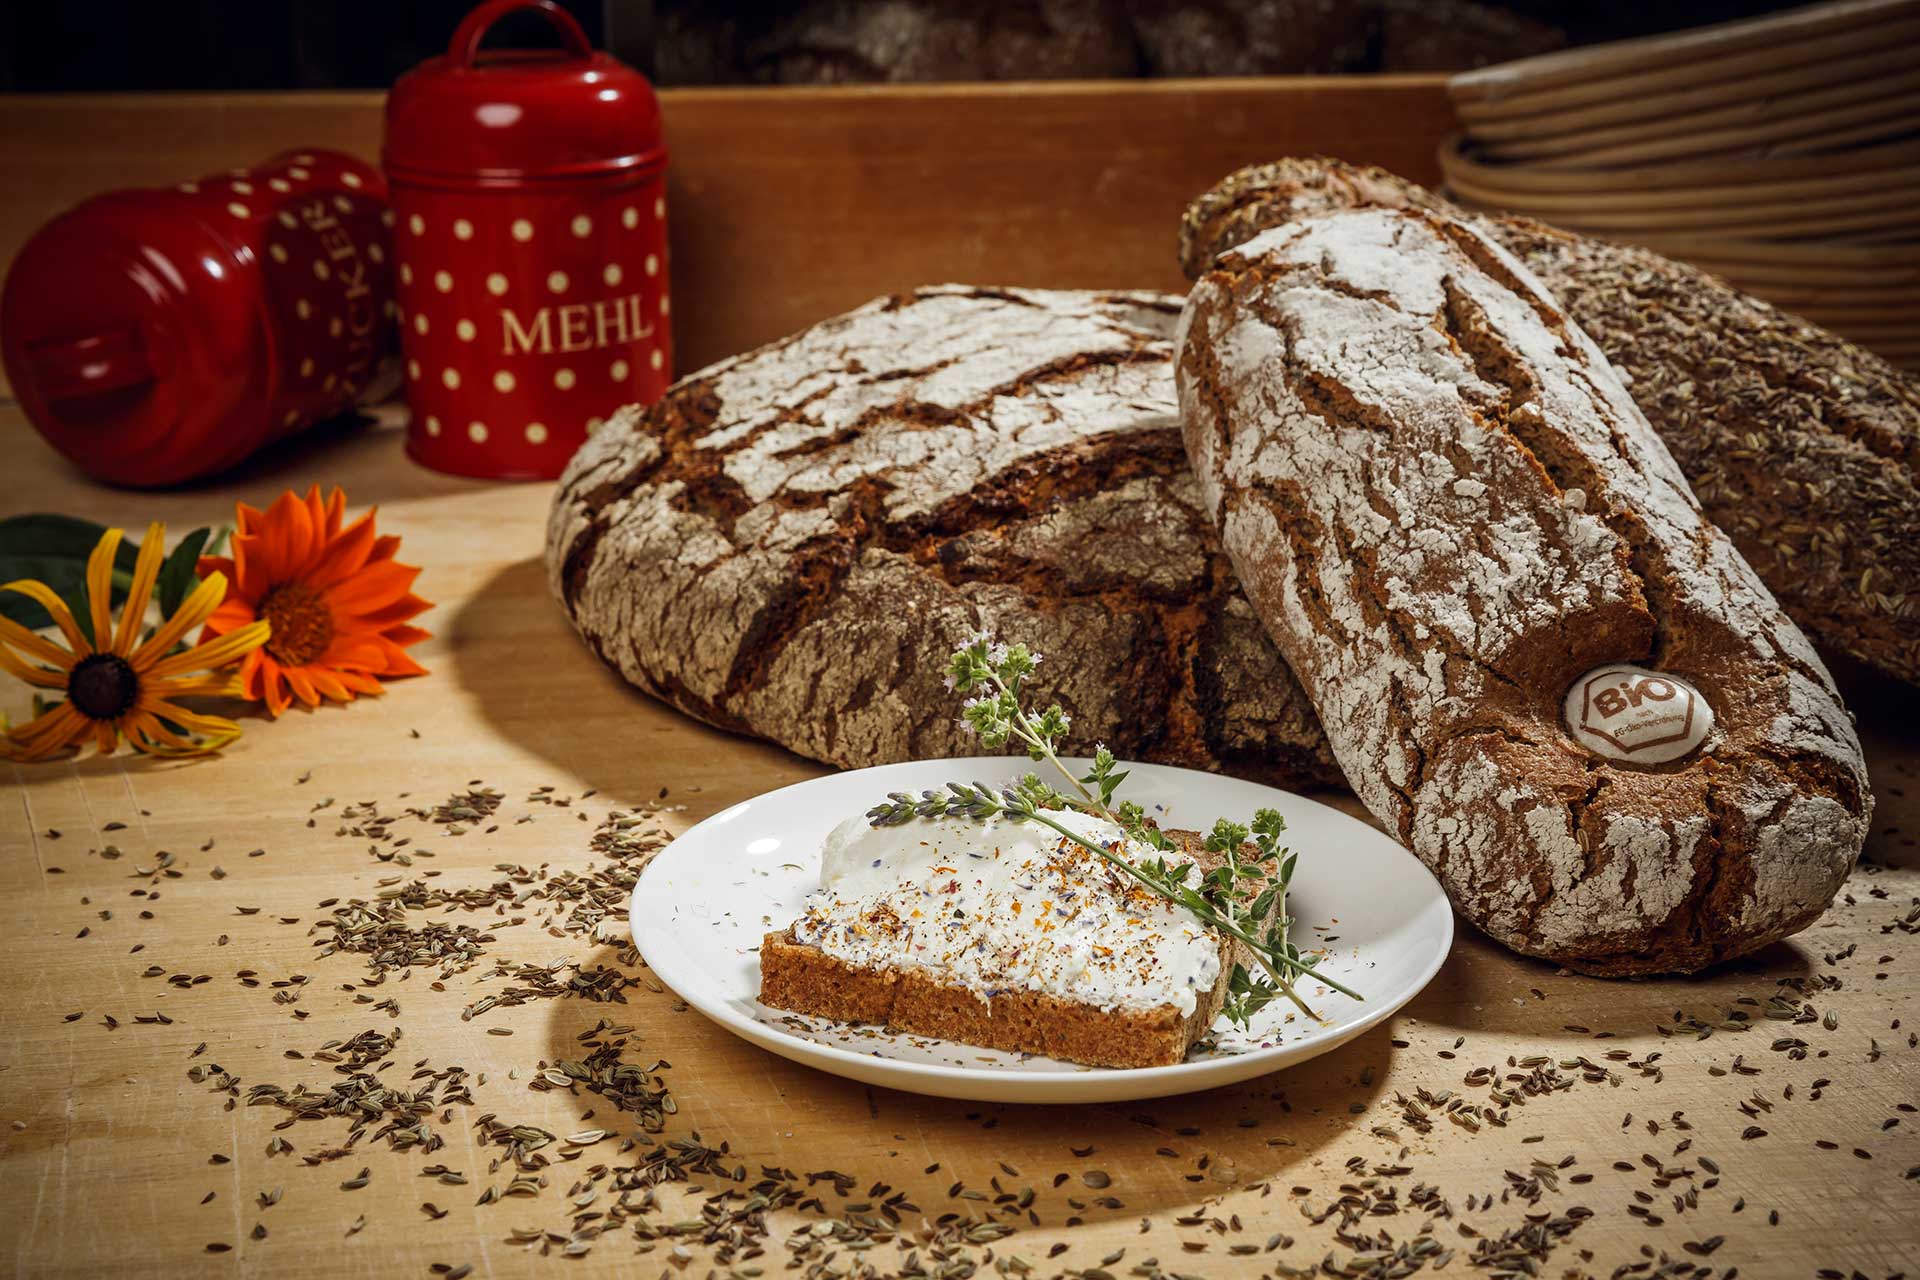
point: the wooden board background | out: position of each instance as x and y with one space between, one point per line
788 206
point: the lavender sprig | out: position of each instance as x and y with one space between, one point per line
959 801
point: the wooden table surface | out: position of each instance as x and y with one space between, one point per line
159 926
111 1150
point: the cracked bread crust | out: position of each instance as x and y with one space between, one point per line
1446 508
1802 446
802 978
792 542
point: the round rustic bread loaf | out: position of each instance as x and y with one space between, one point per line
1537 661
792 541
1804 447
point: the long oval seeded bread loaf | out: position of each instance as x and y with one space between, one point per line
1450 514
792 542
1802 446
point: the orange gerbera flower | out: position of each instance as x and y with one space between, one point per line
338 601
114 688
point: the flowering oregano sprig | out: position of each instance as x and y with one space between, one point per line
1243 897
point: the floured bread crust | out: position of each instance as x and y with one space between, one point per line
1447 510
793 541
1804 447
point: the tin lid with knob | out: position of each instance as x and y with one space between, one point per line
502 117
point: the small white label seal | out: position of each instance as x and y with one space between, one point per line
1630 713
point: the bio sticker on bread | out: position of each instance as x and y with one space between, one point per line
1640 716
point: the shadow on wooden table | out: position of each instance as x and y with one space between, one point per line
536 683
1485 990
369 445
1888 712
1161 1155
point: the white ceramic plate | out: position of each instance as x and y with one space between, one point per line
703 905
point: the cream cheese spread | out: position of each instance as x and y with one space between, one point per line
1002 906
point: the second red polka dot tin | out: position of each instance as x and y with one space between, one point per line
529 196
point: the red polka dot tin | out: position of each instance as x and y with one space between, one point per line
159 335
531 232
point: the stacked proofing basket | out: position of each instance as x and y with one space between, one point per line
1782 154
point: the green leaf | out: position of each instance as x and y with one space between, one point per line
180 572
54 549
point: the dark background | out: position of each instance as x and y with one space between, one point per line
341 44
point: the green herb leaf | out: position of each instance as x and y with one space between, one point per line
1219 901
180 573
54 549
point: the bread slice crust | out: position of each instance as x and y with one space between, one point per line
801 978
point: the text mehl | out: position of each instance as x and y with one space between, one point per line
575 326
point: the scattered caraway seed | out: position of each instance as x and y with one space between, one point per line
636 1172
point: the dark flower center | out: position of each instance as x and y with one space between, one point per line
302 623
103 686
